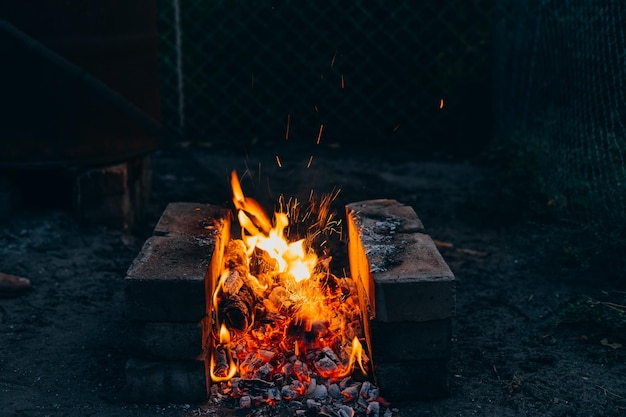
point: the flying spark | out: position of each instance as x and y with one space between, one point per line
278 162
308 165
319 135
288 124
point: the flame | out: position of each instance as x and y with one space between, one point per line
310 311
257 232
223 348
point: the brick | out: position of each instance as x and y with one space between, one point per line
165 341
411 341
413 380
190 219
393 215
404 275
113 195
165 381
165 282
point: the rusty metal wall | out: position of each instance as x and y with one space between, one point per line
372 72
70 72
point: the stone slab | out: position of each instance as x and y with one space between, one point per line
411 280
413 380
411 341
165 341
165 381
165 282
190 219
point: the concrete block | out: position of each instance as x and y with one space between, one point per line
165 382
190 219
413 380
165 282
165 341
411 341
404 275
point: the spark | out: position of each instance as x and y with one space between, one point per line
288 124
319 135
343 83
332 61
278 162
396 127
441 103
316 109
308 165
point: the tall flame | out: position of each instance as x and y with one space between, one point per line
258 232
310 310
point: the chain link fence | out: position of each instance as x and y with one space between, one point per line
401 74
560 78
421 76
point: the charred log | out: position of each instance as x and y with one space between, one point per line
237 310
221 361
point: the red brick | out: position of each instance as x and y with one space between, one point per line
190 219
413 380
406 278
165 381
411 341
165 341
165 283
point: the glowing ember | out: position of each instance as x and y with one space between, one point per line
282 315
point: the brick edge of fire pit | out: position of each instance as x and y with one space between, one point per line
165 305
411 296
410 291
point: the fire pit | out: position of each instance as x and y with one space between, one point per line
403 288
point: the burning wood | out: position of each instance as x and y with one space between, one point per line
290 331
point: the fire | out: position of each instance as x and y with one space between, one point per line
279 309
257 232
223 367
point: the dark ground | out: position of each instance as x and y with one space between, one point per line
527 340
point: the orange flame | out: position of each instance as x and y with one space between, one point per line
257 232
224 346
305 298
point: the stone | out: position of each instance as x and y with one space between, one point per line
165 381
165 282
413 380
410 341
402 272
113 195
190 219
165 341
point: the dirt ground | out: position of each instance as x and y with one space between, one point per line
525 342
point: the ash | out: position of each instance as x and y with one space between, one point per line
345 398
377 240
